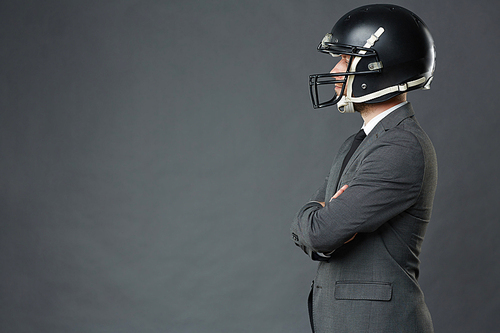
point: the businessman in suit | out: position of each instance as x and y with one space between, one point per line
366 224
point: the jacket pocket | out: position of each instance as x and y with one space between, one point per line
363 290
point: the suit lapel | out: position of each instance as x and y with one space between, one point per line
390 121
337 163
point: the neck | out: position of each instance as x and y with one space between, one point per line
369 111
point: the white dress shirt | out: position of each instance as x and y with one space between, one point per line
372 123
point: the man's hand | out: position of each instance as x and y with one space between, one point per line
339 192
351 238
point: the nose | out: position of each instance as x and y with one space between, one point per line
337 68
334 71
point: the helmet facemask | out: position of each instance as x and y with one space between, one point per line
371 65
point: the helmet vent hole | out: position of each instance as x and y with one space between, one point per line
417 20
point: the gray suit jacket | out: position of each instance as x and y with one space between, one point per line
370 284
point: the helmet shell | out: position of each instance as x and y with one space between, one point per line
405 49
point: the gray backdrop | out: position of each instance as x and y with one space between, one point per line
154 153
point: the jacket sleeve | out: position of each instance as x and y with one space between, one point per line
318 196
295 232
386 182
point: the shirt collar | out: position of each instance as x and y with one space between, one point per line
372 123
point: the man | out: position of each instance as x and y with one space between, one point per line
366 224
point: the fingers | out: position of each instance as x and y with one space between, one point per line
351 238
339 192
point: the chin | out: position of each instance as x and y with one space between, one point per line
360 107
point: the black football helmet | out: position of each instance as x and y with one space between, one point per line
391 52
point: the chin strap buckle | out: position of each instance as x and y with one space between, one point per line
403 87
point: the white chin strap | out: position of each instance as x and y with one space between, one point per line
344 106
346 103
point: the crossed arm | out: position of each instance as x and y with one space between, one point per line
322 256
335 196
387 183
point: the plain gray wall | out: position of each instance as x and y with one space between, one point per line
154 153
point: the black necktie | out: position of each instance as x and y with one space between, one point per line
355 144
